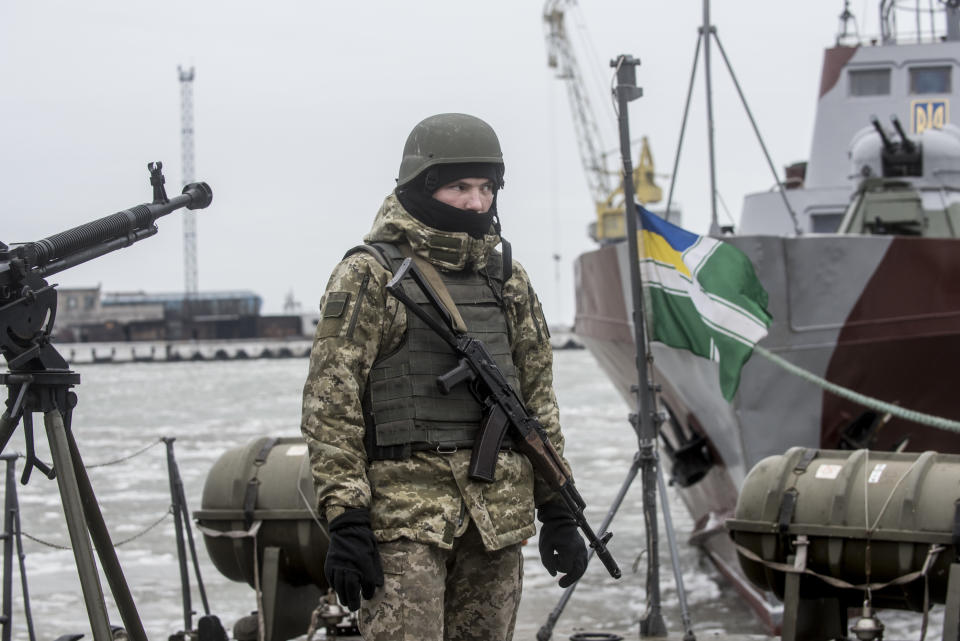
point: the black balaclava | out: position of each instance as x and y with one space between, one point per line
417 198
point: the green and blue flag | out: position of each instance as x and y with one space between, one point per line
703 297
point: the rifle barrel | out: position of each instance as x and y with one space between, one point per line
575 503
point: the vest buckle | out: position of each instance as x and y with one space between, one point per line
449 449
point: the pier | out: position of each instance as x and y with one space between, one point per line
218 350
173 351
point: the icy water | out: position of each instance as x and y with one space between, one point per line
210 407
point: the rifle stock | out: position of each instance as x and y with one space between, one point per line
504 408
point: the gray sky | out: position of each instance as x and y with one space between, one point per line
302 109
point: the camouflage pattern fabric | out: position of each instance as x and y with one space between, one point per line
431 594
429 497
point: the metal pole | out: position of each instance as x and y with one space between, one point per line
953 23
683 126
756 130
7 426
79 537
190 543
181 547
190 278
917 15
651 624
9 511
546 630
24 590
705 34
104 545
675 558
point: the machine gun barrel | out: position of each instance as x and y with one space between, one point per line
60 251
908 145
887 143
28 304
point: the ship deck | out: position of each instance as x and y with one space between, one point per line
572 634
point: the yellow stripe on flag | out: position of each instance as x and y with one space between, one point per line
656 247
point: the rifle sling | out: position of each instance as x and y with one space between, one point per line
430 273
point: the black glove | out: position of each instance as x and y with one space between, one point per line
353 562
561 547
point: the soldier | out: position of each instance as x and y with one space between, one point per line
433 554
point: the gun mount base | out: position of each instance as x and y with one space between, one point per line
49 393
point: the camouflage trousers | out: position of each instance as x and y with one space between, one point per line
430 594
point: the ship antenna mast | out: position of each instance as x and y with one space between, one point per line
844 34
190 278
706 31
953 19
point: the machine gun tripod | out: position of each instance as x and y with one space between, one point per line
40 380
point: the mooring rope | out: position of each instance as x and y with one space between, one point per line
861 399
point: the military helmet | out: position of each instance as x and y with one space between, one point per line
446 139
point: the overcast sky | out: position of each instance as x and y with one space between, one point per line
302 109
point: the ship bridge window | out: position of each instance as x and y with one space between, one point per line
930 80
869 82
826 222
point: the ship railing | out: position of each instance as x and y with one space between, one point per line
919 25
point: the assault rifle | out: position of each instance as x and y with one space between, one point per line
503 407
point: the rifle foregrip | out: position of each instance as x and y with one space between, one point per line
546 465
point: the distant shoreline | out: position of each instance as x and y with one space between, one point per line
216 350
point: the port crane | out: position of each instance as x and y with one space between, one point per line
606 187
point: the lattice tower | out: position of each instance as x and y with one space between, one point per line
190 278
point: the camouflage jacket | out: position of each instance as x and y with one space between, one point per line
428 497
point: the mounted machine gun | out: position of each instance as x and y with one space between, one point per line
40 379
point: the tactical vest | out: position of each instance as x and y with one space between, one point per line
404 410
